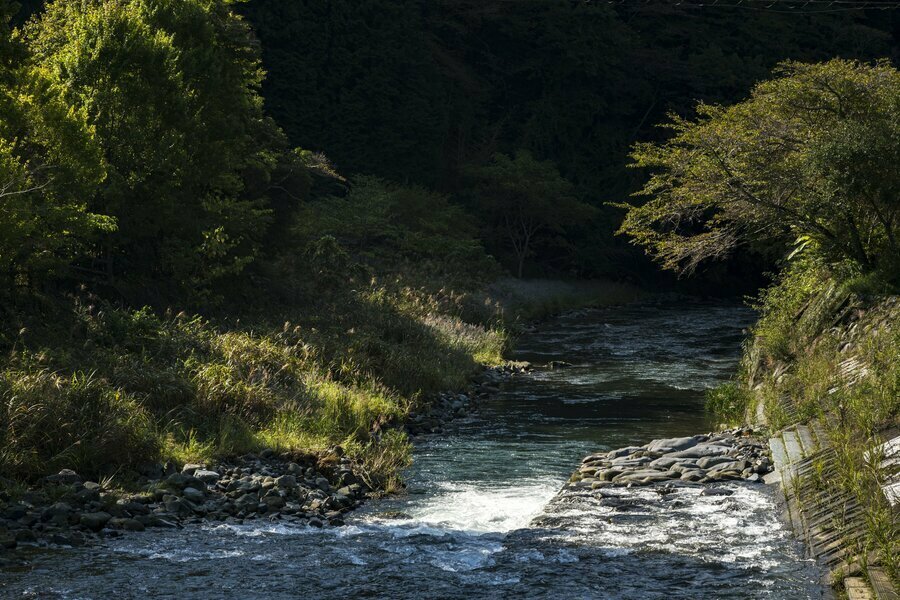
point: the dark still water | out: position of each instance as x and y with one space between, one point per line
478 521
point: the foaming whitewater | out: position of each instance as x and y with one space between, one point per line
470 507
482 518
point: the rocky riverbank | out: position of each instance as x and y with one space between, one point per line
296 488
735 454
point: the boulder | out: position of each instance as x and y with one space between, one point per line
179 507
247 503
286 482
95 521
274 502
64 477
623 452
193 494
716 491
206 476
675 444
703 450
58 513
126 524
663 463
711 461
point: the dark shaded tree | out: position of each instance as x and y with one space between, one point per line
525 201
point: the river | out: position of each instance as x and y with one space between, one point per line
479 521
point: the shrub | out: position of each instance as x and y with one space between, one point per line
729 402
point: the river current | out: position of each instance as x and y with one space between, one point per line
480 519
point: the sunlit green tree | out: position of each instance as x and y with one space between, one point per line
48 165
811 155
172 90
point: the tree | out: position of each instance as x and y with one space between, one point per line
172 89
812 154
524 200
48 163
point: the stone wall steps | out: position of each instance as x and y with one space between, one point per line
792 445
857 589
831 523
807 441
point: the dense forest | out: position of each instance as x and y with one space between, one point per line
233 225
439 88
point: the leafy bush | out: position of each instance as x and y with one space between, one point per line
729 402
776 333
384 225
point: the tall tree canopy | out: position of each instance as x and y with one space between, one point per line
812 154
172 89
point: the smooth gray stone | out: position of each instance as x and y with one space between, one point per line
702 450
675 444
710 461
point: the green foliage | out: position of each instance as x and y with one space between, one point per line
729 402
807 155
52 421
847 377
172 91
776 333
386 458
526 202
382 225
48 164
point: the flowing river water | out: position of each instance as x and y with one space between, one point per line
479 520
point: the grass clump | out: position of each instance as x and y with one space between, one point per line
729 402
51 421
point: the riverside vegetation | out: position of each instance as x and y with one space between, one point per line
827 348
807 164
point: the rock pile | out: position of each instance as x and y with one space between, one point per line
300 489
728 455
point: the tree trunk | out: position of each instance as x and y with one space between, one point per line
524 250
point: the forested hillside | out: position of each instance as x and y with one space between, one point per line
422 91
139 169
